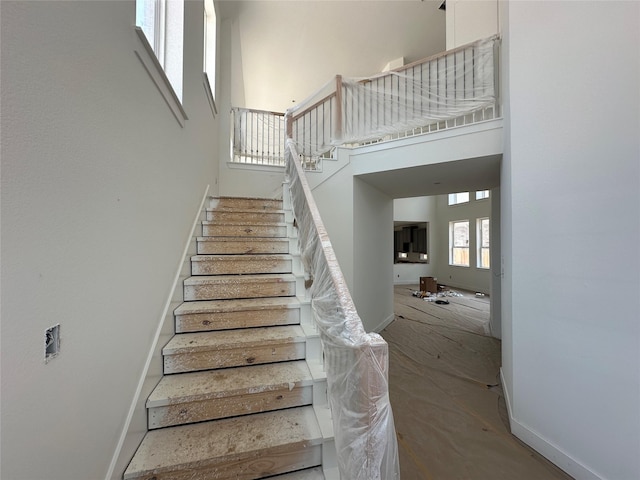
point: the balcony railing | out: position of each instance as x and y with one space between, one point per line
257 137
454 88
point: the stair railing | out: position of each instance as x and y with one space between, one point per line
452 88
257 137
356 362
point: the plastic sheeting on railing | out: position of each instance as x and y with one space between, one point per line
258 137
356 362
354 110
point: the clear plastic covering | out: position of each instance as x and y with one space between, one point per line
258 137
456 83
356 362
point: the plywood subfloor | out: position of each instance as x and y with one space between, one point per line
450 414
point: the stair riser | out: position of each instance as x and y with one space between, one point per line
251 466
224 358
239 247
245 231
213 409
202 322
246 203
235 290
244 217
221 266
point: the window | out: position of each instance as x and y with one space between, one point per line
459 243
162 23
456 198
483 243
209 60
481 194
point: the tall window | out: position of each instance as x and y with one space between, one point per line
459 243
483 243
209 61
162 22
456 198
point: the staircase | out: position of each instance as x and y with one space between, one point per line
243 394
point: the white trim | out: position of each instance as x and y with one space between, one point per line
147 57
385 323
253 166
552 452
209 94
137 400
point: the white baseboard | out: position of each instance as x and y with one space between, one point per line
385 323
134 427
551 452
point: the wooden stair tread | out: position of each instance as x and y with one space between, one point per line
227 339
197 386
237 305
241 224
204 445
240 264
240 202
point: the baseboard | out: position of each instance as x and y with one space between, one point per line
135 426
385 323
545 448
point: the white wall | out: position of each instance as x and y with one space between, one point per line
373 235
100 186
571 210
417 209
471 20
469 278
284 51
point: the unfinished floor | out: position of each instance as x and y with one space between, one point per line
450 414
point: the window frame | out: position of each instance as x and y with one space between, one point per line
163 62
210 54
453 247
481 247
453 198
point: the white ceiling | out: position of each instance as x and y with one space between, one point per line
437 179
285 50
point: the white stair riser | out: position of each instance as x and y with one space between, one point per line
222 266
212 409
202 322
223 358
250 231
239 290
239 246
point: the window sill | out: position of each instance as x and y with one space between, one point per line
147 57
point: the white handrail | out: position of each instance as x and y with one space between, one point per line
356 362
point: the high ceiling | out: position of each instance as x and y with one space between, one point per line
283 51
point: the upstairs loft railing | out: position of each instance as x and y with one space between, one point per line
453 88
356 362
257 137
